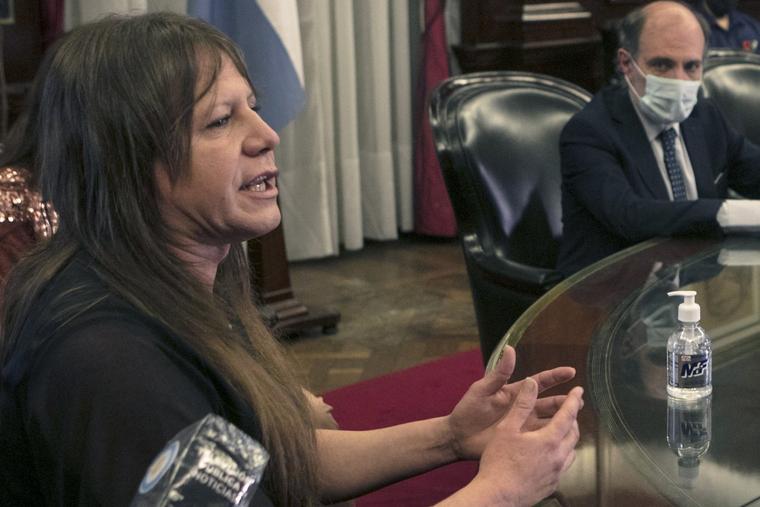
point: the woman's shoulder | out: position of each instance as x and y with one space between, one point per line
81 316
88 342
106 394
84 339
77 320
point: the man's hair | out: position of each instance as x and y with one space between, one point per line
117 102
631 26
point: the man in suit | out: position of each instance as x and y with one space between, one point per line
648 158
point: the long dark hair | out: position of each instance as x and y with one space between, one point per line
118 99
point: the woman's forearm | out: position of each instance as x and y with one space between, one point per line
355 462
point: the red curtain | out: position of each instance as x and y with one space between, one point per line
433 213
51 20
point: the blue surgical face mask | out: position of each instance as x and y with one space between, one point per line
666 100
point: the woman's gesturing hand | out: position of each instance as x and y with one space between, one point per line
487 401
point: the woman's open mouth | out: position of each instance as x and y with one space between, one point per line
262 183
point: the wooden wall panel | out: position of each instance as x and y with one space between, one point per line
557 38
572 40
22 52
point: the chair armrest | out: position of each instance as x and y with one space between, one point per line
513 274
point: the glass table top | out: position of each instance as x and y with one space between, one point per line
703 453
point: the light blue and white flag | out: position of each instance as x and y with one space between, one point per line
268 33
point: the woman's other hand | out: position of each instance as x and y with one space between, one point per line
487 401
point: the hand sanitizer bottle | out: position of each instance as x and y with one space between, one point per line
689 353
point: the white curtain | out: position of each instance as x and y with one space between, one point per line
77 12
346 161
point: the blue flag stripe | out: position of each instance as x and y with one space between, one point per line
278 88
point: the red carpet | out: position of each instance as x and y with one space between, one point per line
424 391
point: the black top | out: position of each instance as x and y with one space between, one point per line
87 403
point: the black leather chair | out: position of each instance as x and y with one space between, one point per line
497 139
732 80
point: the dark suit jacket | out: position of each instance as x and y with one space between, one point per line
613 194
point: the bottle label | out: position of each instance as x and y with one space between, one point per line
689 371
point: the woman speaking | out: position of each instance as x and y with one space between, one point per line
136 319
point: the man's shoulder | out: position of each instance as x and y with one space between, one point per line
707 113
598 114
604 103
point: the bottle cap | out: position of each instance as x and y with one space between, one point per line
688 311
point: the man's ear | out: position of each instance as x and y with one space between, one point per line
624 61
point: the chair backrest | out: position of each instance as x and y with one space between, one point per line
497 137
731 79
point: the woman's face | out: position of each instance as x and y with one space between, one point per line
230 192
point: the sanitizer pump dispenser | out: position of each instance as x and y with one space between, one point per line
689 353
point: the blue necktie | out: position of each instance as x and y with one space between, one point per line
668 140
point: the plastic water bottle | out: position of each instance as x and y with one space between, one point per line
689 353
